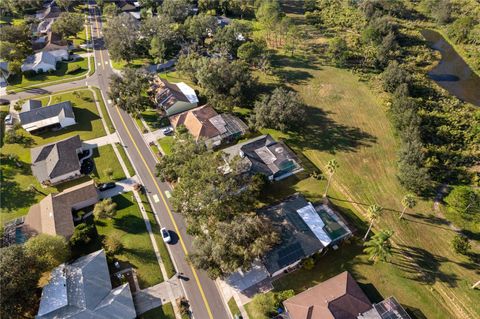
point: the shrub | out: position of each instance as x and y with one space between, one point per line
309 263
461 244
113 244
73 68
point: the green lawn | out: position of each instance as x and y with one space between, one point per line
166 144
152 118
137 248
164 254
136 63
155 150
163 312
348 122
121 150
232 305
20 82
103 107
105 158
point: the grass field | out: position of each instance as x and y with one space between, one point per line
165 311
137 248
21 82
348 122
232 305
105 158
164 254
121 150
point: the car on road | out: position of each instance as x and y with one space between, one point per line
168 131
4 102
165 235
8 119
106 186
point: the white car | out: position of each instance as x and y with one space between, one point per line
165 235
9 119
167 131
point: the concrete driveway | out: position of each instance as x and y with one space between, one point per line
123 186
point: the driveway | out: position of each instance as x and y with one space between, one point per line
123 186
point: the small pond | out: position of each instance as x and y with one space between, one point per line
452 72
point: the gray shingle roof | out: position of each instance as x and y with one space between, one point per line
83 289
30 105
297 239
36 114
56 159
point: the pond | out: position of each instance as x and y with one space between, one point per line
452 72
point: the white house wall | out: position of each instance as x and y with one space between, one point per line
65 177
43 123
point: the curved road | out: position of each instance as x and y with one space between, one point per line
200 290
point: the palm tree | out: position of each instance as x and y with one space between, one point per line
374 212
379 247
408 201
331 167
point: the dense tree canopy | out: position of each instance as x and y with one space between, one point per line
178 10
121 36
20 7
129 91
50 251
15 43
68 24
18 282
282 110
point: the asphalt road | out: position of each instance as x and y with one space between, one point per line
200 290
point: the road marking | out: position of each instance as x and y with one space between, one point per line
99 63
109 101
155 198
182 243
106 62
168 194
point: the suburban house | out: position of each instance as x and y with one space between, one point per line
205 124
304 229
53 214
173 98
265 156
34 117
82 289
57 162
44 61
340 297
51 42
4 73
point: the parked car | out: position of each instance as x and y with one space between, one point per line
104 187
4 102
9 119
165 235
168 131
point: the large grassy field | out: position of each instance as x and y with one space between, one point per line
137 250
21 82
348 122
15 193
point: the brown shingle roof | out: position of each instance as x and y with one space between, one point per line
53 215
197 121
339 297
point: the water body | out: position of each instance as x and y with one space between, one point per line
452 72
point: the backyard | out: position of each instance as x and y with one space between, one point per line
348 122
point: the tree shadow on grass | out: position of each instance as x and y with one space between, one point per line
14 196
322 133
130 223
423 266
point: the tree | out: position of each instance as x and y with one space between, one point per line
408 201
268 13
331 168
65 4
233 245
18 282
463 207
16 7
386 50
15 45
111 10
460 29
282 110
82 235
338 51
411 173
68 24
121 35
162 36
373 213
105 208
393 76
129 91
50 251
113 243
199 27
178 10
227 40
379 246
266 305
461 244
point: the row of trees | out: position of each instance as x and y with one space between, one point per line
219 208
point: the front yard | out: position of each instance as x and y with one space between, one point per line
21 82
105 159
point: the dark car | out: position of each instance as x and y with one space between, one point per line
104 187
4 102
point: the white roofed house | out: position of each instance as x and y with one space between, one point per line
44 61
34 117
82 289
173 98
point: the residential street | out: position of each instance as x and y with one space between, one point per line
201 291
